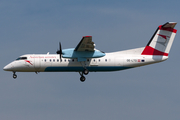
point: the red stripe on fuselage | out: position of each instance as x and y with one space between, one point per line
151 51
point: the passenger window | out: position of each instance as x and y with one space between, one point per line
99 60
94 60
73 60
106 60
50 60
45 60
65 60
53 60
57 60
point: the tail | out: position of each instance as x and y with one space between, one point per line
161 41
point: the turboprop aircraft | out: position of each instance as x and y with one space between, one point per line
84 58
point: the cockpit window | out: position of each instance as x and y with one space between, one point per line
22 58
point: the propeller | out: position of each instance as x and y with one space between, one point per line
59 51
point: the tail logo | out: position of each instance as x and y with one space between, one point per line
165 37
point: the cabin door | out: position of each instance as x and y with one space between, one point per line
37 62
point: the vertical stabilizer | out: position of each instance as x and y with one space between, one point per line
161 41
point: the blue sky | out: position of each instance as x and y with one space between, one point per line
149 92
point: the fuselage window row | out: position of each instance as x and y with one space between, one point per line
73 60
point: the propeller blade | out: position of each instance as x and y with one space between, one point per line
59 51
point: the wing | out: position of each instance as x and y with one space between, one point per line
85 44
85 49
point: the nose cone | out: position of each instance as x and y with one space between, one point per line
8 67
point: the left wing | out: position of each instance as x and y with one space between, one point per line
85 44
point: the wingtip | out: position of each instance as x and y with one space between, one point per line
172 22
169 24
87 36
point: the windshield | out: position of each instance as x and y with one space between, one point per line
21 58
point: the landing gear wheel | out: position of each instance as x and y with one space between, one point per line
14 76
82 78
85 71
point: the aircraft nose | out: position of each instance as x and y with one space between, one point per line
8 67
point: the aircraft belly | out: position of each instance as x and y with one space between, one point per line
80 68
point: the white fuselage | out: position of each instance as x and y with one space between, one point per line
110 62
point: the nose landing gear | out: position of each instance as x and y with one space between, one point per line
14 75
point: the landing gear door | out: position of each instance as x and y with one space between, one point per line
37 62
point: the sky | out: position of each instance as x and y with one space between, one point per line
37 26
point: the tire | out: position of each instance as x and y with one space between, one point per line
86 71
14 76
82 78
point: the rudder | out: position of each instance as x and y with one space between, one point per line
161 41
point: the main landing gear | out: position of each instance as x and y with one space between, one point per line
14 75
85 72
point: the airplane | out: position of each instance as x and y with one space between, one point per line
84 58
